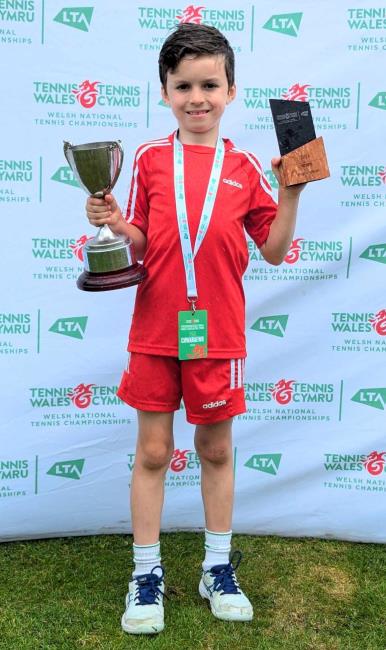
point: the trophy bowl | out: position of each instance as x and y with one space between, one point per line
109 260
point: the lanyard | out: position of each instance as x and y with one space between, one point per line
188 254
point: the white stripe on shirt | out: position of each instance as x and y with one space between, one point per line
141 150
257 165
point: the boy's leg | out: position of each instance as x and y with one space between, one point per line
155 447
213 444
144 603
218 583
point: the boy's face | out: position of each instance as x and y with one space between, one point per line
197 92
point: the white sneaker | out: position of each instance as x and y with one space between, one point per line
144 604
219 585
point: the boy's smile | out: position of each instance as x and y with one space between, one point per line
197 92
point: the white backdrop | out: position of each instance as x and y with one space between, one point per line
310 453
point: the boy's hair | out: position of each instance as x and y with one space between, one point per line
194 40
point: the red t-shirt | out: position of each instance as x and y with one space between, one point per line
244 201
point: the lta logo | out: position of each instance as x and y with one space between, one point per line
268 463
379 101
68 469
74 327
375 253
274 325
76 17
374 397
65 175
287 24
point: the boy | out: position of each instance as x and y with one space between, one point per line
169 207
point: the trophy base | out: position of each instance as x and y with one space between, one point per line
112 280
304 164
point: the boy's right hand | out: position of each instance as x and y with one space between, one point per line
105 211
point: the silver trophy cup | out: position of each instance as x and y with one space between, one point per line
109 260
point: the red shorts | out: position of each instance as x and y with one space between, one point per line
212 389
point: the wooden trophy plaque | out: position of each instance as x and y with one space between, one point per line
303 156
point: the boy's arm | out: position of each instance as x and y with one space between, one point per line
282 228
107 211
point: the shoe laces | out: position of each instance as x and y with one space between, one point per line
148 587
224 575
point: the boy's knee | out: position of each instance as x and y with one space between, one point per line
155 455
217 454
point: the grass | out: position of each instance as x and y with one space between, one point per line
67 594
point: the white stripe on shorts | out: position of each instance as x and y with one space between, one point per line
233 368
237 373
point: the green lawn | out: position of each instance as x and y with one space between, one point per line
68 593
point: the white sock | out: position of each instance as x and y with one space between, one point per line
217 548
146 558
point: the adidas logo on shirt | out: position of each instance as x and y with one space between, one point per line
228 181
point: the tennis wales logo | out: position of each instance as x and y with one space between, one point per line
287 24
282 391
378 322
297 93
268 463
294 252
373 463
19 11
166 18
77 248
319 97
81 395
369 18
363 175
308 250
191 15
77 17
356 322
182 459
179 460
68 469
86 93
274 325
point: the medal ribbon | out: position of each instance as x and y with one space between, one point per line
188 254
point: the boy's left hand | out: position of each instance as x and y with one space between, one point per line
291 191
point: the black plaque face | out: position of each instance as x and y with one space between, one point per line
293 124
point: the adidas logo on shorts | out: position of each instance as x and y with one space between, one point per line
214 405
228 181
